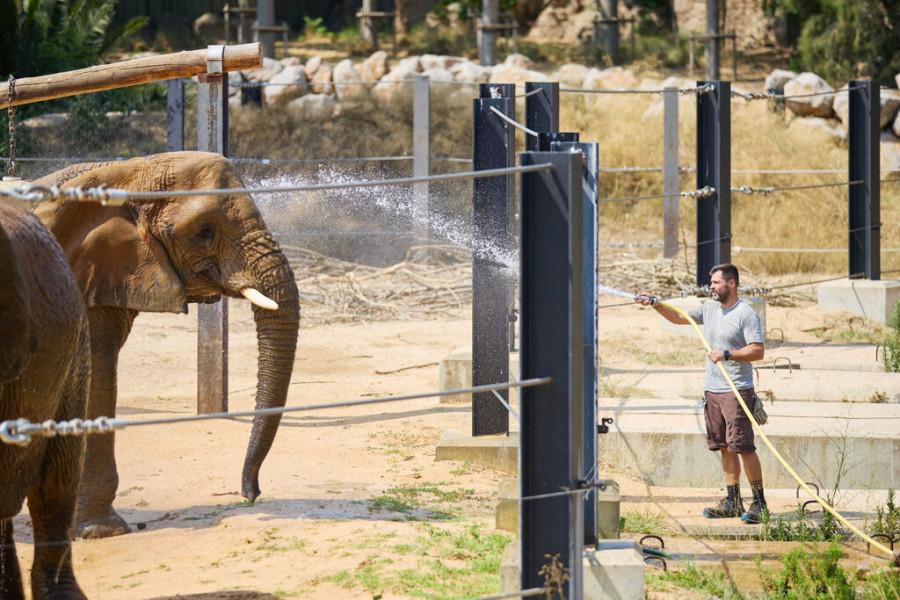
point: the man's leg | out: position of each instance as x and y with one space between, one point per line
731 506
754 474
731 465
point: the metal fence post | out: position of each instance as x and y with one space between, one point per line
670 172
864 165
541 110
212 319
174 115
493 147
546 139
590 151
421 154
714 170
550 441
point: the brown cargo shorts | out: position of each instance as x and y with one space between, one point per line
727 426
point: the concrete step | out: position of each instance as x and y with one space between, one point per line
848 445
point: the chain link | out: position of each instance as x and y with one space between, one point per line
11 115
20 431
35 194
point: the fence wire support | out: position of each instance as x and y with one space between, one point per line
506 404
748 96
746 189
513 123
20 431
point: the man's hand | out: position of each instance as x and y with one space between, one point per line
715 356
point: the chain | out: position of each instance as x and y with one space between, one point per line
36 194
20 431
11 114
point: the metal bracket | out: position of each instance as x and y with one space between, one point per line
603 427
215 58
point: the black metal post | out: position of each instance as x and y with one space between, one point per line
714 170
863 136
541 110
550 440
493 147
212 319
590 151
174 115
546 139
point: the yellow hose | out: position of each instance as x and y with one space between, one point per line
765 439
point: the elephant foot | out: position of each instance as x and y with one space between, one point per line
101 527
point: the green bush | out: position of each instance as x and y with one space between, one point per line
891 342
805 576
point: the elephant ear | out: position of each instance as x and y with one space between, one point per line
116 260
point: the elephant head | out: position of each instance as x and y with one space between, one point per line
159 255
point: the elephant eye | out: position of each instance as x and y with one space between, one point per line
205 234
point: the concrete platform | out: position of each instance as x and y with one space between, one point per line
664 443
498 452
613 570
871 299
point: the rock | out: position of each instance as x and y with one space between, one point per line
312 65
571 75
470 72
270 67
438 74
520 61
209 27
828 129
613 78
890 104
433 61
322 78
374 68
510 74
889 151
291 61
283 87
809 106
347 83
314 107
398 82
777 78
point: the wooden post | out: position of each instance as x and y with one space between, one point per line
128 73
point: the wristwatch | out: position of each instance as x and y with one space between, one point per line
727 355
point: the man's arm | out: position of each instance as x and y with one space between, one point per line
749 353
669 314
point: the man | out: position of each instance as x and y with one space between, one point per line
734 333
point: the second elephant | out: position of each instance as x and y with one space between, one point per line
157 256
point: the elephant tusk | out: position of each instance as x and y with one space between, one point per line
257 298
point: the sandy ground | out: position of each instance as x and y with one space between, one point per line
353 502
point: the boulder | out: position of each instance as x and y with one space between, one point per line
374 68
312 65
314 107
571 75
804 105
777 78
438 74
613 78
210 28
270 67
890 104
520 61
471 72
322 79
889 149
505 73
828 129
397 83
286 85
347 83
433 61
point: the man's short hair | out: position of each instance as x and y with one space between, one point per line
729 271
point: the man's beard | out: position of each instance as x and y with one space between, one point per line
720 298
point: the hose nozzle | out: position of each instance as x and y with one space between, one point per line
654 301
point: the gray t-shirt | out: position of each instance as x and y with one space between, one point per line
728 330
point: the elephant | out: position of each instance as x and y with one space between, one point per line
158 256
44 374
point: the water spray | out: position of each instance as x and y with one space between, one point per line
656 303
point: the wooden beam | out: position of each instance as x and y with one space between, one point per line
126 73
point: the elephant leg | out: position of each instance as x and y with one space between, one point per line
96 517
52 508
10 576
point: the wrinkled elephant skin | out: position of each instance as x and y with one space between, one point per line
44 374
157 256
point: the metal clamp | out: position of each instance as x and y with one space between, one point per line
215 58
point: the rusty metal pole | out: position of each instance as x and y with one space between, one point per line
212 319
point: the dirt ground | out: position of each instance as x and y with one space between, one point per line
353 505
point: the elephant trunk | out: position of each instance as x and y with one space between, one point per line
276 332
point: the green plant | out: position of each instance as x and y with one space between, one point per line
810 575
313 28
798 527
643 520
711 583
887 518
891 342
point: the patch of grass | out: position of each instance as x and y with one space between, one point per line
124 493
425 496
462 469
644 520
275 543
709 582
891 342
798 527
461 564
809 575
